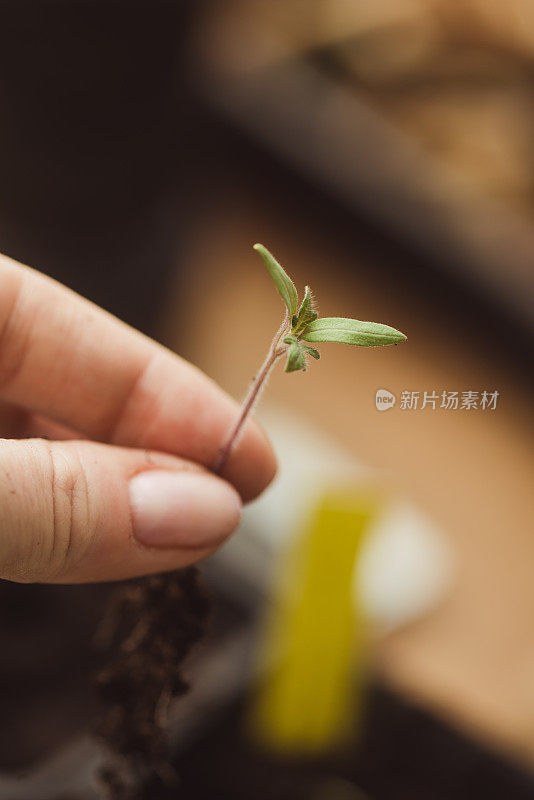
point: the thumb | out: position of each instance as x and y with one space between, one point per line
76 511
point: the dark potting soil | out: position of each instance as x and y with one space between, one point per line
404 753
149 628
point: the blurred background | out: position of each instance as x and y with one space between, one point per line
374 631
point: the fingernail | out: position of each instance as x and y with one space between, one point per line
182 509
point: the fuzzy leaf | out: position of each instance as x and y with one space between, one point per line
281 279
295 357
312 352
351 331
306 313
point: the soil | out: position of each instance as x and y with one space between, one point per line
150 626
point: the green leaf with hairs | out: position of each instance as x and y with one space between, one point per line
306 313
291 340
351 331
312 352
281 279
295 357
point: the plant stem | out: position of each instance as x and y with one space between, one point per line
275 351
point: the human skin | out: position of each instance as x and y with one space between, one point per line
105 473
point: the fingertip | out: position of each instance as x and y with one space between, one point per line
182 509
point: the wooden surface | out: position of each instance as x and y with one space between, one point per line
472 471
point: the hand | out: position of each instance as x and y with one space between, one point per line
139 497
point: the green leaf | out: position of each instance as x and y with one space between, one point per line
351 331
312 352
281 279
306 313
295 357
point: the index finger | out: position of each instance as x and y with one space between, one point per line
63 357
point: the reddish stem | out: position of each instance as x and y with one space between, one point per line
252 396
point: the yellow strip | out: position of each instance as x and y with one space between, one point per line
315 637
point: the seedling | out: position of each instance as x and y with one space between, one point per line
149 639
301 325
